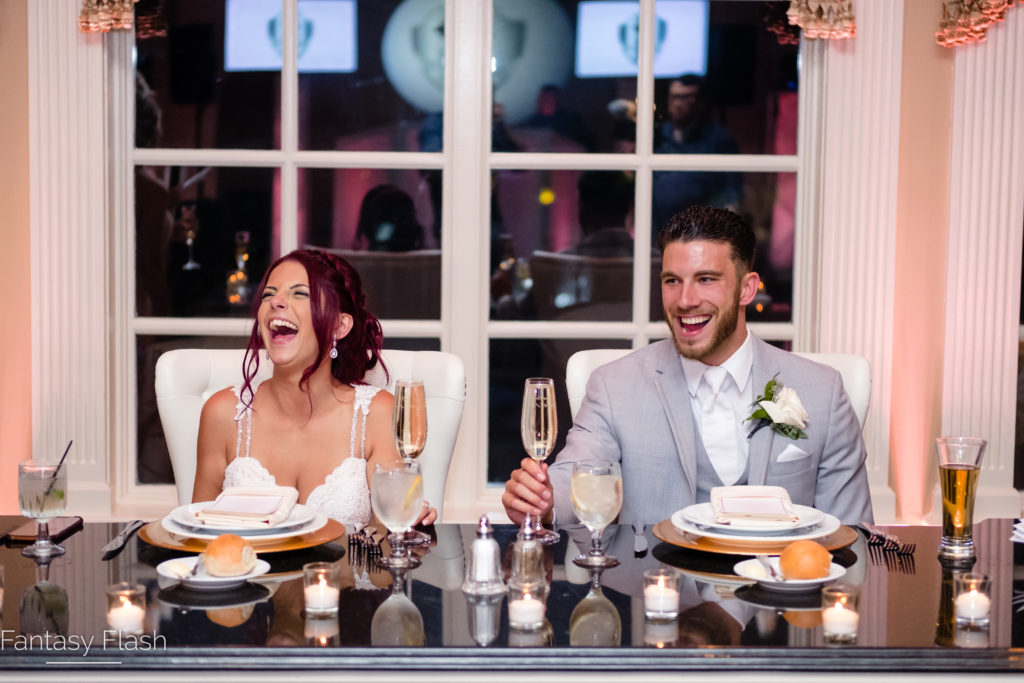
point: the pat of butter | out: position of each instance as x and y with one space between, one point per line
179 569
756 571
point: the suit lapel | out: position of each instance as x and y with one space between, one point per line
760 451
671 385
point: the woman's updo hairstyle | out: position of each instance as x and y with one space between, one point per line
334 288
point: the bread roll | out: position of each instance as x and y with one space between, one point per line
805 560
229 555
230 616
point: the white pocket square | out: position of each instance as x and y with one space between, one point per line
790 453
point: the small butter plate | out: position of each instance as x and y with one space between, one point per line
754 570
180 570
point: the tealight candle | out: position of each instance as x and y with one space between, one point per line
321 591
661 593
972 603
321 632
660 634
839 617
525 607
126 607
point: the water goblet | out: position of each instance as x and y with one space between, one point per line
539 428
42 495
396 494
596 493
409 428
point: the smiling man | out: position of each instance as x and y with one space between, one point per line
675 413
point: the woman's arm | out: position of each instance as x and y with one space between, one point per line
217 431
380 443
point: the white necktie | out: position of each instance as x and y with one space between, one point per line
718 426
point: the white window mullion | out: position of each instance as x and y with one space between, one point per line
289 206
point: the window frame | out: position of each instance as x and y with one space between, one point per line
464 327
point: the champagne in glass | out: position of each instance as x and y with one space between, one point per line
409 423
539 428
596 493
396 494
959 466
42 495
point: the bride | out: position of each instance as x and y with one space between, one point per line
314 425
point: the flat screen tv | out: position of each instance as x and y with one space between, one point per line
326 36
607 36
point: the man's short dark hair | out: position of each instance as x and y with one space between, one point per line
714 225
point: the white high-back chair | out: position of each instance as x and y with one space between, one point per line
185 378
855 371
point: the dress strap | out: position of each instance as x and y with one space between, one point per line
360 409
243 414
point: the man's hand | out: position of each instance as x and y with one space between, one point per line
528 490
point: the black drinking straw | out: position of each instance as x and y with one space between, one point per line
57 471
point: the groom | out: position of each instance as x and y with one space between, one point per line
674 413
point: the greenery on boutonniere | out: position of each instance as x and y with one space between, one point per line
780 409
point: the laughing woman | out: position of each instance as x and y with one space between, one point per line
314 425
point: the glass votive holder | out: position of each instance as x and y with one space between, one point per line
661 594
526 605
126 607
661 633
839 615
321 631
322 583
972 603
972 637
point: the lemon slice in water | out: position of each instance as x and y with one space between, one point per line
412 490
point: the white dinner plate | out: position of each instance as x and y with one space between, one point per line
753 569
180 570
828 525
185 516
318 521
702 515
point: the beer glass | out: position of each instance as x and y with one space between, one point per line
959 465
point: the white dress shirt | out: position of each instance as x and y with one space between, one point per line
727 455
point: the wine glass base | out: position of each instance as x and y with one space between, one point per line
414 537
547 536
42 550
596 561
401 562
190 265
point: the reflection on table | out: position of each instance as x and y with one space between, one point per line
906 608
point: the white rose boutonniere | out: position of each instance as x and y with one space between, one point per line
780 408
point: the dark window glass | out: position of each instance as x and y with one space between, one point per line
511 362
210 68
203 238
385 89
386 222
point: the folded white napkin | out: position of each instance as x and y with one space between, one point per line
250 507
1018 532
753 505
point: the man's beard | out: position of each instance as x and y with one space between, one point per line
727 320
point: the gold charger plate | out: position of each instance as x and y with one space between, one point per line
667 532
154 534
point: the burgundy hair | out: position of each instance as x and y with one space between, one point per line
336 285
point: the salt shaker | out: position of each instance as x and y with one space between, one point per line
527 558
483 568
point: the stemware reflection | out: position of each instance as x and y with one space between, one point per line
397 622
595 621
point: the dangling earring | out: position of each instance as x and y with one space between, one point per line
334 350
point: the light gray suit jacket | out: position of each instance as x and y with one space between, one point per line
637 412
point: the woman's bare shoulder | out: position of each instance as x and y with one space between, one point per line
223 404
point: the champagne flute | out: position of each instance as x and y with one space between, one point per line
539 427
396 494
42 495
409 422
596 493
